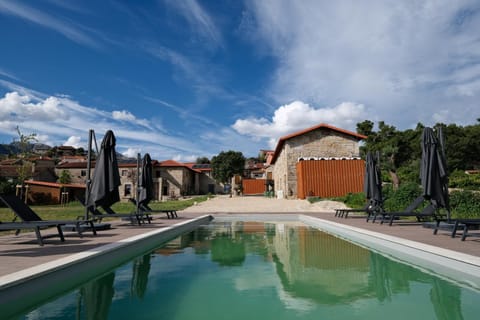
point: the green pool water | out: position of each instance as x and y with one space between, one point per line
258 270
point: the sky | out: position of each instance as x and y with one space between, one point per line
188 79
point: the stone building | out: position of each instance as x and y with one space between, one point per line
39 168
316 143
171 179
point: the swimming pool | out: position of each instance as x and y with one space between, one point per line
236 269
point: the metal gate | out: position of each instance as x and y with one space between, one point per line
254 186
329 178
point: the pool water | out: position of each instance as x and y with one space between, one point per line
258 270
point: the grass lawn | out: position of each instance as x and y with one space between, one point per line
74 209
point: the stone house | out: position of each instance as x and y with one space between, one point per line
40 168
321 142
76 169
171 179
207 184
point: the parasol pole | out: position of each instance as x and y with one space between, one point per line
88 181
137 202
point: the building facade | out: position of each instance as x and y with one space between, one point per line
171 179
321 142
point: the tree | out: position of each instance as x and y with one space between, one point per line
65 177
386 140
226 164
24 171
202 160
401 150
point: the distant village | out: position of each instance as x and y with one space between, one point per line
318 161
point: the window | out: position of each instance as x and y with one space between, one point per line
128 189
124 173
83 173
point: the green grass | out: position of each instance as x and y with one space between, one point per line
74 209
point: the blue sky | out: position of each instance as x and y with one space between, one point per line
187 79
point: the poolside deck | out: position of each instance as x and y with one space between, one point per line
22 252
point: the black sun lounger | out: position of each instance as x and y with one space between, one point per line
147 209
30 220
139 217
427 212
370 209
343 213
36 226
409 211
97 215
455 225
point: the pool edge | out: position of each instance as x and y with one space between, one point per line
32 281
455 266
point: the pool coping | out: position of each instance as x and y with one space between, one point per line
461 268
32 281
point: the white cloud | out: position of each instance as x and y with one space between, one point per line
43 138
75 141
404 59
21 107
131 152
123 115
185 158
297 116
57 118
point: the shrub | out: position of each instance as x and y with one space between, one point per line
355 200
400 199
408 173
465 204
314 199
459 179
6 186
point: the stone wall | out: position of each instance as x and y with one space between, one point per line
280 173
75 175
320 143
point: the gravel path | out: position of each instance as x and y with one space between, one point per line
225 204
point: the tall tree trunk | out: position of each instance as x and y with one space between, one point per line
395 179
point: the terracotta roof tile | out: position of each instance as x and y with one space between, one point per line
282 140
171 163
54 184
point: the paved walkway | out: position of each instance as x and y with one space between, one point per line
21 252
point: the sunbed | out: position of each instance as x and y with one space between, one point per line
454 225
36 226
408 212
147 209
426 213
110 213
139 217
31 220
343 213
370 210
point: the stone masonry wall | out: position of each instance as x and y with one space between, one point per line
321 143
279 174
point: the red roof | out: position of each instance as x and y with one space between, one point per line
155 163
282 140
74 165
55 184
171 163
198 167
